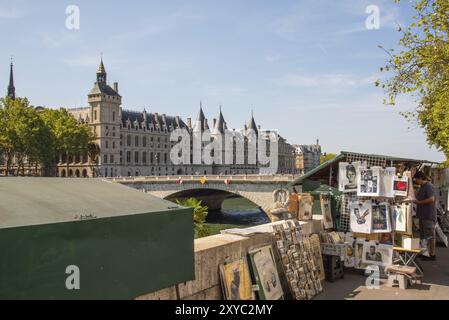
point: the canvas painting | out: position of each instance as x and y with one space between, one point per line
400 186
236 280
400 217
361 216
347 176
381 218
305 204
387 176
377 254
326 211
266 274
369 182
359 243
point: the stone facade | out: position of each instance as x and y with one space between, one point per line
307 157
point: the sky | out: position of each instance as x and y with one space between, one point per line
306 67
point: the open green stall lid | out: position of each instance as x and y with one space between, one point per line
125 243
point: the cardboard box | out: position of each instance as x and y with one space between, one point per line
411 243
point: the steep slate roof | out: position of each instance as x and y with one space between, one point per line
152 119
252 124
220 125
100 88
200 123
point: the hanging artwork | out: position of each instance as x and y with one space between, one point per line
400 186
305 204
369 182
399 215
361 216
358 263
266 274
350 250
347 176
325 201
381 218
236 280
387 176
377 254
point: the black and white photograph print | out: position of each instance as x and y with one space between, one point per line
347 176
387 176
381 218
360 216
377 254
369 182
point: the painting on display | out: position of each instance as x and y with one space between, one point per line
326 211
266 274
369 182
377 254
399 215
400 186
358 251
347 176
236 280
305 205
381 218
387 176
360 215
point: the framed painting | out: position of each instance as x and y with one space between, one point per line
236 280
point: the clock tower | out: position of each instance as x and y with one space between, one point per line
104 104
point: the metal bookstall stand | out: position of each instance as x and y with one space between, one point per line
402 256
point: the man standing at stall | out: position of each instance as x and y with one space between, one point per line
426 212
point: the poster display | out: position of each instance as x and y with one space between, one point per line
381 218
348 176
387 176
377 254
236 280
359 243
305 204
265 273
361 216
325 201
400 186
369 182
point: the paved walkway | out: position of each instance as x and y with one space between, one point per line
435 284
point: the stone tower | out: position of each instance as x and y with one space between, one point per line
105 118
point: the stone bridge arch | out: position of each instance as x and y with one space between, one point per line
260 193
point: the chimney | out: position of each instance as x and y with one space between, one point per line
189 122
215 122
116 87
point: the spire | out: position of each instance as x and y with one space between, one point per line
220 125
101 73
252 123
200 120
11 88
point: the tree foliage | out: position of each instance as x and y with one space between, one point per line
326 157
39 137
421 69
199 215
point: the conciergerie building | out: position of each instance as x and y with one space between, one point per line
133 143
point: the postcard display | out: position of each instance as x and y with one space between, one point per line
301 260
379 205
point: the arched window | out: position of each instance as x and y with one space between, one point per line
77 173
84 173
63 173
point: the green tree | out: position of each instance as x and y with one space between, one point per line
326 157
421 69
70 137
199 215
23 134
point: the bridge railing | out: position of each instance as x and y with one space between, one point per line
279 177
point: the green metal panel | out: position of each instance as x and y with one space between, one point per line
119 258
